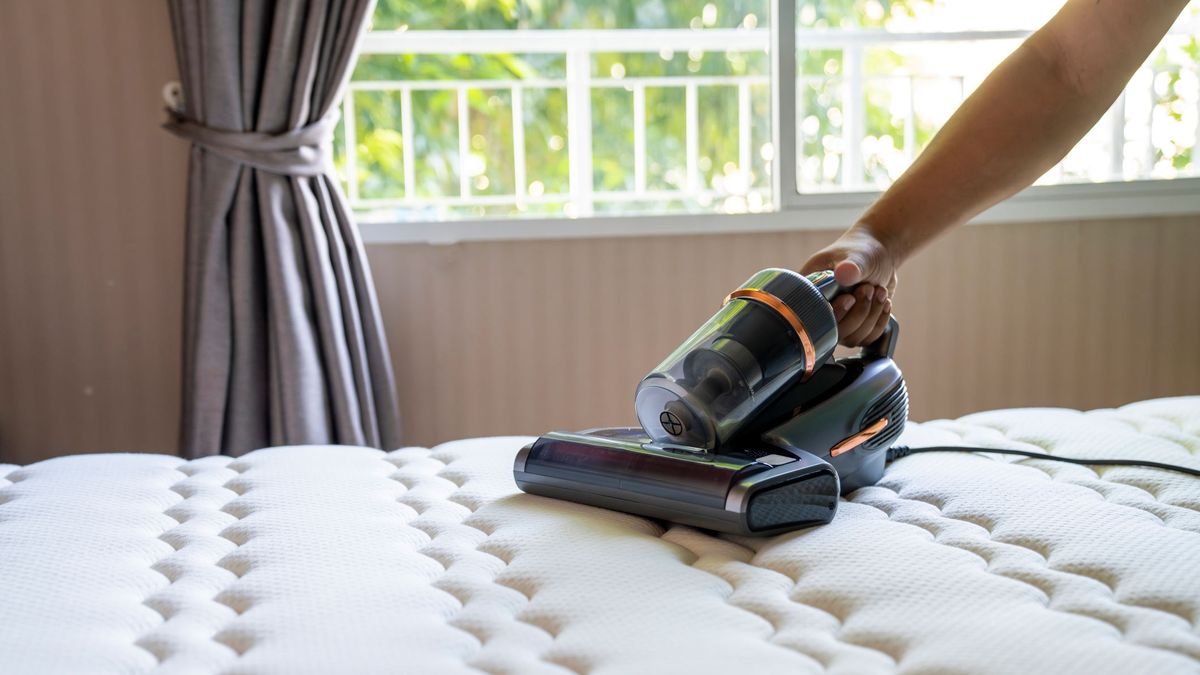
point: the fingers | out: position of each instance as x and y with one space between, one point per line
852 322
880 323
859 336
842 305
867 319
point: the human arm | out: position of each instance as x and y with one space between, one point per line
1024 117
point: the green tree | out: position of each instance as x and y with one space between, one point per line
379 147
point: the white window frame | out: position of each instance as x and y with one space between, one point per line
795 210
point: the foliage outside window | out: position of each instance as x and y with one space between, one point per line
865 106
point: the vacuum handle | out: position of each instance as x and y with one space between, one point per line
884 346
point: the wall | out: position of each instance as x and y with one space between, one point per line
522 337
91 225
493 338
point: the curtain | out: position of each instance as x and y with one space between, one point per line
283 342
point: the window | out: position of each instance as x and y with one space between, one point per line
502 108
876 83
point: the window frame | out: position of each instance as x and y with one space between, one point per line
796 210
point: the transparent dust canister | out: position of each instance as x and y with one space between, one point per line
772 331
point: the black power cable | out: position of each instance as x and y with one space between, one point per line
898 451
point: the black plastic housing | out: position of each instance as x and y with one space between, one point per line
752 491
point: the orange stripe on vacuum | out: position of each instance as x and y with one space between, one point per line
810 352
858 439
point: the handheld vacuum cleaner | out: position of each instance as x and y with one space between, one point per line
751 426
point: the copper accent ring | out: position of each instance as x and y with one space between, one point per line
788 314
858 439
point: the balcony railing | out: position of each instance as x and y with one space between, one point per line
578 49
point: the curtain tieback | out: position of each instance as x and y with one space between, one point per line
301 152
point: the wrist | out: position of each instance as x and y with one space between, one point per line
888 238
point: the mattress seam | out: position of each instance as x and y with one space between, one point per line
140 641
222 508
397 465
541 656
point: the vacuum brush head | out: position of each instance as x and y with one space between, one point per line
740 490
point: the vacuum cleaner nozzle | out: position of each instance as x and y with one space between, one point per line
749 426
743 489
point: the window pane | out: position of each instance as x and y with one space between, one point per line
819 132
761 149
666 152
491 155
718 145
618 91
612 139
868 103
392 15
380 148
546 155
876 79
451 68
435 142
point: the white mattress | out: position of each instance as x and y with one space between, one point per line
337 559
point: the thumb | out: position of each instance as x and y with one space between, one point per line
857 266
849 272
853 259
823 260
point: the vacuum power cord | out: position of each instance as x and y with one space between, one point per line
898 451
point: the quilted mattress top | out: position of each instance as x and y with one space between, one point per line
339 559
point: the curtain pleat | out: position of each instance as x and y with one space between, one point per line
299 372
350 301
328 314
283 342
379 370
248 399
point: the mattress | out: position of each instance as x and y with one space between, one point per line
428 560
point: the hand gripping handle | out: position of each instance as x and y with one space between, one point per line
884 347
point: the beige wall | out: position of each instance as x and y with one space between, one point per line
91 218
521 337
492 338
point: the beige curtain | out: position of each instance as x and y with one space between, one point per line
283 341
